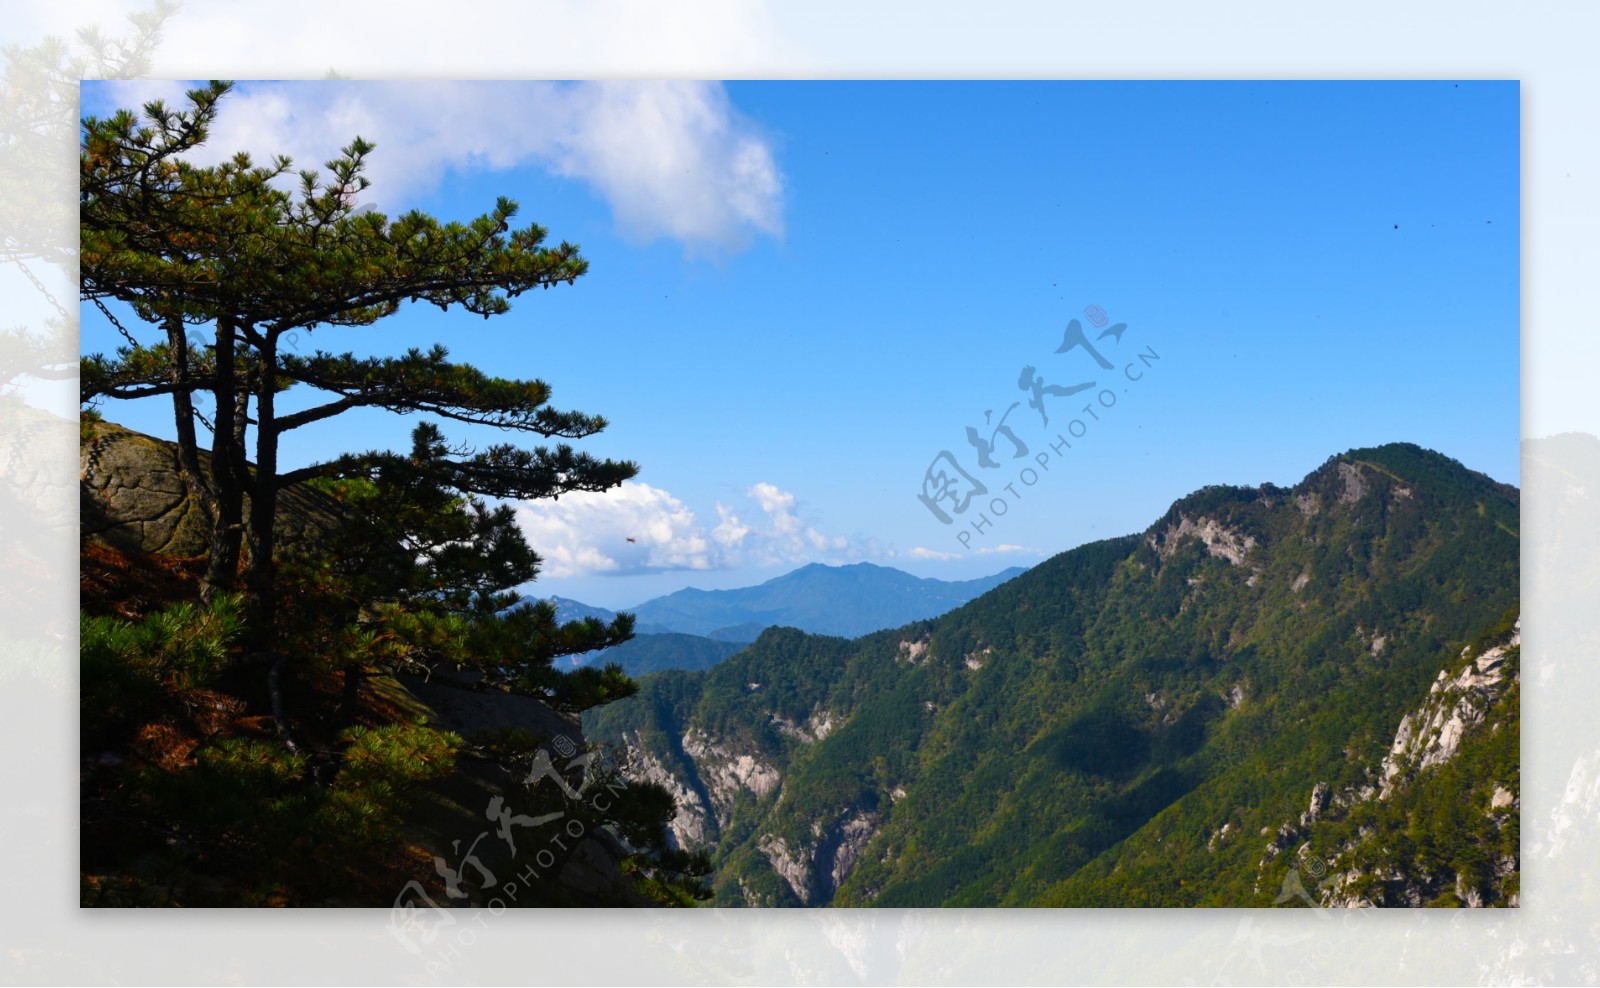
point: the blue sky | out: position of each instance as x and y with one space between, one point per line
800 294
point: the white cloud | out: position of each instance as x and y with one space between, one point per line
1003 547
637 528
920 552
730 531
785 538
672 159
772 500
633 528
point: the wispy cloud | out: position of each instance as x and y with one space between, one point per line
673 160
780 536
637 528
921 552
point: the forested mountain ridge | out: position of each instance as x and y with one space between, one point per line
1084 733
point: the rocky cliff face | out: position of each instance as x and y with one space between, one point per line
1218 539
815 867
719 775
693 825
1456 704
1343 845
726 772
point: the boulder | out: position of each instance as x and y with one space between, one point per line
132 498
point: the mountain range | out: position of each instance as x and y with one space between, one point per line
1271 696
696 629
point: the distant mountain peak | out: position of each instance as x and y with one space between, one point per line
844 600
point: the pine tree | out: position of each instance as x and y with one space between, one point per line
420 572
225 247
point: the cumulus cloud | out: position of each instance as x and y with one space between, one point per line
637 528
673 160
633 528
782 536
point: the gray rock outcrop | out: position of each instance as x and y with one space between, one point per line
131 497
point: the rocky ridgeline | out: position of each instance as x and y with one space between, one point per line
1432 734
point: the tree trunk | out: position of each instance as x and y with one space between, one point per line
227 458
350 697
261 575
201 494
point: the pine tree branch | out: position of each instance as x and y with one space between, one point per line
427 382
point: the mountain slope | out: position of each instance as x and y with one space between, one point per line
568 609
1441 825
1084 733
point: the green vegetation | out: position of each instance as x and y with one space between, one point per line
1081 735
251 724
1441 840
